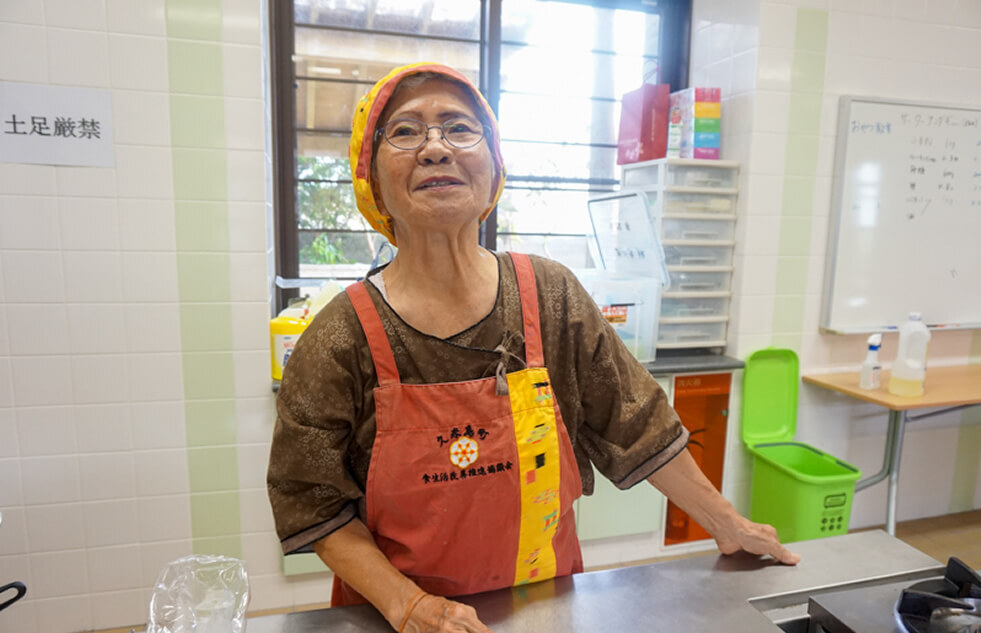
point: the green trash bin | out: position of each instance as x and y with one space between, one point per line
800 490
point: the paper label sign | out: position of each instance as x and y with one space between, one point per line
615 313
55 125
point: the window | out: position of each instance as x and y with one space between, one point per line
554 71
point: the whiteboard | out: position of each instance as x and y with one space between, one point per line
905 232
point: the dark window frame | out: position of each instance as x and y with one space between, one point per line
673 62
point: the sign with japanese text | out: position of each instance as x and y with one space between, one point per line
55 125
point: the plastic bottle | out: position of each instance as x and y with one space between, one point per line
909 371
869 377
284 331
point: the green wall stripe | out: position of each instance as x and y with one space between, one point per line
975 351
210 422
194 19
967 461
799 176
195 67
199 121
202 226
303 564
200 162
204 277
208 375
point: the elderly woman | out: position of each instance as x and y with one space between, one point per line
437 421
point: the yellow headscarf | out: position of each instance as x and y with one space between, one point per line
365 122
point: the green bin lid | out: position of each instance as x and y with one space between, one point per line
770 381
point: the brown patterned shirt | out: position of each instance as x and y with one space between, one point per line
617 416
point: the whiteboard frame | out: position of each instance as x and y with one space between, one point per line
841 152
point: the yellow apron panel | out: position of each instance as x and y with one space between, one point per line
538 459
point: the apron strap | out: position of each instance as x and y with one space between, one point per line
528 290
381 350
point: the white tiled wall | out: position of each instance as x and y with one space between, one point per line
94 475
93 464
927 50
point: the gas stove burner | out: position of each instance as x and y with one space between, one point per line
951 604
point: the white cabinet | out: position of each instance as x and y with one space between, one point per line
702 402
611 512
693 205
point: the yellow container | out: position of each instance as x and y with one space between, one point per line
283 334
708 110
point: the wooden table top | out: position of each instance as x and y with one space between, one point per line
949 386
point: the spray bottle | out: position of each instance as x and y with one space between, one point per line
869 378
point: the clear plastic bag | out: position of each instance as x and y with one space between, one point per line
200 594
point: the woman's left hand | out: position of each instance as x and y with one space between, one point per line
684 483
753 538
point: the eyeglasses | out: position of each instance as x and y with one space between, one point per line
460 132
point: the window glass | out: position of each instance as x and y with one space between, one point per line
556 160
543 211
559 111
379 53
557 119
324 147
564 67
326 105
443 18
563 26
533 69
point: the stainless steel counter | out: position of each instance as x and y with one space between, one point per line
736 594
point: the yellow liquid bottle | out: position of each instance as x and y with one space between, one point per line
909 370
283 334
905 387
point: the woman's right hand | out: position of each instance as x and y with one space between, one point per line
433 614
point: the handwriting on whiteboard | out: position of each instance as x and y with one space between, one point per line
914 120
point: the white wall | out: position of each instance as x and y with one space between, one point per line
782 67
135 402
107 463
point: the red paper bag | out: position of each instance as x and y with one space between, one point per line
644 124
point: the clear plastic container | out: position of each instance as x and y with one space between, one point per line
694 306
200 594
691 334
683 229
630 304
697 255
700 281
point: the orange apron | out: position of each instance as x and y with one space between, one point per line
469 490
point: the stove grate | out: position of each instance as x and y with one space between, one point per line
951 604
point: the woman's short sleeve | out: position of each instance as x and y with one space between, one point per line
309 480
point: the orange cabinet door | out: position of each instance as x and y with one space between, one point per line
702 402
